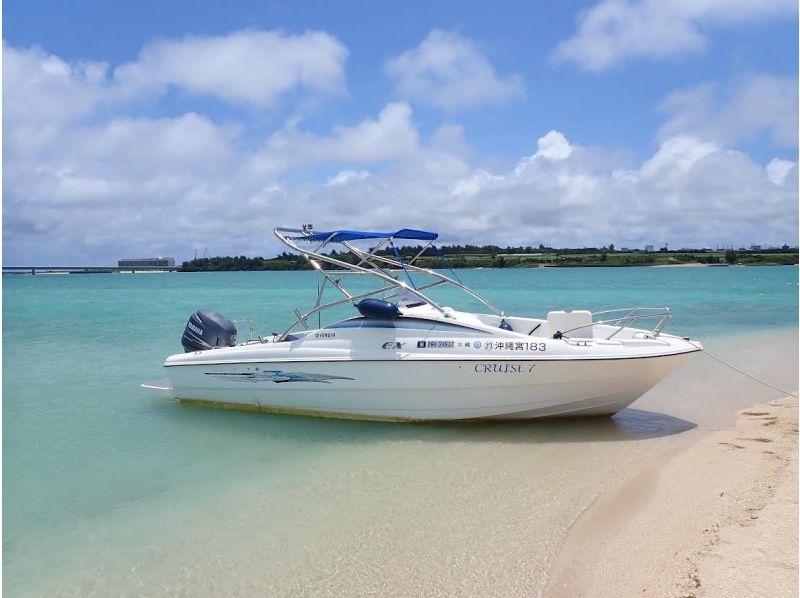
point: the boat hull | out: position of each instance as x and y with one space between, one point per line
422 390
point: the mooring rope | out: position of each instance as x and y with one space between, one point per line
743 373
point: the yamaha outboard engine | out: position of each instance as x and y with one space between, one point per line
208 330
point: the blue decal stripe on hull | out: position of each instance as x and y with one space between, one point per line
276 376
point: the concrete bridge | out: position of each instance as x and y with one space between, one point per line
86 269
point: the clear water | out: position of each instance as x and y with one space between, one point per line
107 490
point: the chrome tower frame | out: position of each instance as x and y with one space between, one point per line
369 264
372 264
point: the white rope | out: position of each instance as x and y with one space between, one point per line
759 380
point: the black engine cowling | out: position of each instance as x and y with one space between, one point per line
208 330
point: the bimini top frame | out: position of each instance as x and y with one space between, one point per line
371 264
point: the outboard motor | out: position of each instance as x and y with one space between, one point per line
208 330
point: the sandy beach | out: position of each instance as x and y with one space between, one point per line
716 519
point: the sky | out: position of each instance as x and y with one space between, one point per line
152 128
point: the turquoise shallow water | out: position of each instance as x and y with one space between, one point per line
82 445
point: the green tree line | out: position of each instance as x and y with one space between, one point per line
492 256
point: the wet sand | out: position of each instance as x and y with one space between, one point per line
439 510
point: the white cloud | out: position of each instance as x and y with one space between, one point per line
472 185
39 87
42 92
392 135
778 171
448 70
613 31
244 67
690 192
554 146
676 155
741 110
345 177
115 185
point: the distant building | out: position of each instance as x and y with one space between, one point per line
147 262
649 248
755 248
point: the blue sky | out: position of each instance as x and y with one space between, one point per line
155 128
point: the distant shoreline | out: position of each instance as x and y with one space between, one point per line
494 257
529 267
45 272
461 258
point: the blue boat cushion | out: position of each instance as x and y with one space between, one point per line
378 309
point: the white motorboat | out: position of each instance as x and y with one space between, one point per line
403 356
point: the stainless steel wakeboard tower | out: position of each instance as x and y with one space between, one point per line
370 263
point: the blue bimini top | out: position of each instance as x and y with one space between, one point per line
338 236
